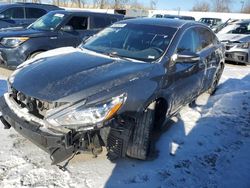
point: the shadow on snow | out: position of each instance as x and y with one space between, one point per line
213 146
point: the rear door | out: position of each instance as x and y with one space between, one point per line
32 14
210 55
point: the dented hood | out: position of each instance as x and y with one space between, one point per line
61 75
233 37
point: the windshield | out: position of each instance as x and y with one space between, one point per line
136 41
48 22
242 28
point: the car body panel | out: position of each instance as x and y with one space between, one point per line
68 76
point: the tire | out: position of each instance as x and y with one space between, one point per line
34 55
139 144
216 80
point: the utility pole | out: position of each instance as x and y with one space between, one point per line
242 5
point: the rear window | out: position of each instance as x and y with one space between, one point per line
34 12
101 22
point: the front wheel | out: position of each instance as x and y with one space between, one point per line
139 144
34 55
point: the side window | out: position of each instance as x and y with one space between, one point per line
99 22
206 38
13 13
189 42
78 23
111 20
34 12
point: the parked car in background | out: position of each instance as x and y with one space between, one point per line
114 89
157 16
53 30
219 27
236 37
179 17
174 17
211 22
22 14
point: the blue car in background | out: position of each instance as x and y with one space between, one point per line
22 14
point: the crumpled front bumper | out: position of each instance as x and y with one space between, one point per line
58 145
239 57
235 54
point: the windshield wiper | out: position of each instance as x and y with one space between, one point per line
115 54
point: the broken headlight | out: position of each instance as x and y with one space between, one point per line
80 115
244 45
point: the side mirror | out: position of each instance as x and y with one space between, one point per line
2 16
185 57
67 28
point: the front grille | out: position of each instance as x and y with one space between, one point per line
34 106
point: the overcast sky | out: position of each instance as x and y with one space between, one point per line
188 4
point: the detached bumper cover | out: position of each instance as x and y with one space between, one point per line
58 145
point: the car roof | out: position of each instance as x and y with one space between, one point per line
21 3
174 23
68 11
30 5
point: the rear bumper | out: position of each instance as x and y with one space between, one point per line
58 145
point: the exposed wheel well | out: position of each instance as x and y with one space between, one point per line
161 109
222 64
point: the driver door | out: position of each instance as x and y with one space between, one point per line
79 28
186 75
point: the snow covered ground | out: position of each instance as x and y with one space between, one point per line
210 143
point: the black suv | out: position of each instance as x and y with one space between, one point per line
114 89
56 29
22 14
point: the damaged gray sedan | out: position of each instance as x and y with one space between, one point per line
236 37
114 89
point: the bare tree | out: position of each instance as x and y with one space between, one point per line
77 3
246 7
118 4
134 4
222 5
153 4
201 6
100 3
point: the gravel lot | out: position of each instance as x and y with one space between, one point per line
5 72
